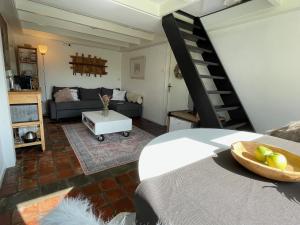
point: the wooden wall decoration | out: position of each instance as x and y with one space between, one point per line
88 65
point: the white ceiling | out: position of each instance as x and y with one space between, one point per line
107 10
158 1
204 7
122 24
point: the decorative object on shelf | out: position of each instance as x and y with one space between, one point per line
177 72
30 137
10 80
43 50
17 138
137 67
27 67
88 65
105 101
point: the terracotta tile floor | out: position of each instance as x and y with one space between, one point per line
41 179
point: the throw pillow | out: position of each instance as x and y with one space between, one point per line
66 95
56 89
290 132
135 98
118 95
74 93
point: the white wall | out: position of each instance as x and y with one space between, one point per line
262 59
153 87
7 151
57 67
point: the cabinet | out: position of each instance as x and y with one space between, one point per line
29 98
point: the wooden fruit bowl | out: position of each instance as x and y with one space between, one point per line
244 153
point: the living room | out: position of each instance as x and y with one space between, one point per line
115 95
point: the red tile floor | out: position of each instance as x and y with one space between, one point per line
41 179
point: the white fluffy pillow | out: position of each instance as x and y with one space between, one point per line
118 95
135 98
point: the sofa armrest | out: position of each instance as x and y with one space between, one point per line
52 109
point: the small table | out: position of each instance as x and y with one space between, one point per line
106 122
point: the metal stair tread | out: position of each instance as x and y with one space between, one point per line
191 37
198 61
185 14
212 77
233 124
198 49
221 108
219 92
186 25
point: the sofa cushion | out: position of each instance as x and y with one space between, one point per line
122 105
89 94
88 104
56 89
107 91
127 108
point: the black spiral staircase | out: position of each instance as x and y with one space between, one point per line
179 32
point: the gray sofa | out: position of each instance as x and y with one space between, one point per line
89 101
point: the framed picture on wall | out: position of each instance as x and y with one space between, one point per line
137 67
3 28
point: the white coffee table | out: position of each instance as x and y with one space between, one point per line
106 122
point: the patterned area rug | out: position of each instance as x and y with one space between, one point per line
115 150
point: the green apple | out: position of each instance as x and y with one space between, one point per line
261 152
277 160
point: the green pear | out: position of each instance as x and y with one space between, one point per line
277 160
262 152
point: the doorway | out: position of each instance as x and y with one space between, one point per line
178 93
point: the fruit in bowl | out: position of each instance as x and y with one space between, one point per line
270 158
277 160
284 167
262 152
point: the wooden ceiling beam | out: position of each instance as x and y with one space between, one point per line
53 22
67 40
73 34
60 14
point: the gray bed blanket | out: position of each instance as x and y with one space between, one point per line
217 191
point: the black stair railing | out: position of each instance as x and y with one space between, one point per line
190 73
177 31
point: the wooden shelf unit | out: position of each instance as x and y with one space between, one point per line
26 124
29 97
21 145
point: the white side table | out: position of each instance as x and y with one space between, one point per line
106 122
